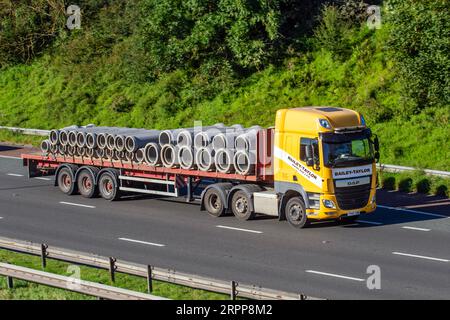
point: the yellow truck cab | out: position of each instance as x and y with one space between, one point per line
324 164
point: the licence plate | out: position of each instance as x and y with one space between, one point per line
353 213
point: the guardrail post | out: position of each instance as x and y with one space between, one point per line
44 255
9 282
149 279
112 269
233 290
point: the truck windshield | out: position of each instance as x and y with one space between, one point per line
354 152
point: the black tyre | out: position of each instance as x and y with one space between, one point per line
213 203
66 181
86 184
108 186
240 205
295 212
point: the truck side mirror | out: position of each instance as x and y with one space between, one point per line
377 156
309 155
376 144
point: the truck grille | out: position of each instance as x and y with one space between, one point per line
350 198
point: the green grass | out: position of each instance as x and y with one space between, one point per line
31 291
18 138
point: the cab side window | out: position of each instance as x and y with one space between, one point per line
306 142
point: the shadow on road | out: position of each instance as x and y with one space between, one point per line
8 148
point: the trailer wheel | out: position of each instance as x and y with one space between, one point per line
213 203
108 186
66 181
240 205
295 212
86 184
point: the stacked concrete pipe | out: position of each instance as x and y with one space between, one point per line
244 159
152 154
212 148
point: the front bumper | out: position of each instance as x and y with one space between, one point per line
324 213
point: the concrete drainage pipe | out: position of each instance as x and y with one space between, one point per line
152 154
243 163
45 146
204 158
224 160
139 156
169 156
186 156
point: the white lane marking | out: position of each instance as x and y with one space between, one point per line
14 175
143 242
76 204
334 275
1 218
415 228
370 222
42 178
414 211
420 257
239 229
10 157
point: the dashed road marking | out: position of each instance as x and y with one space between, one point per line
414 211
14 174
239 229
43 178
10 157
415 228
143 242
77 204
334 275
419 256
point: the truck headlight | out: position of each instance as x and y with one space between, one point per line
324 123
329 204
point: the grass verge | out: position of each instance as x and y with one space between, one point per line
30 291
18 138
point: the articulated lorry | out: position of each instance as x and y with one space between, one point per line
317 163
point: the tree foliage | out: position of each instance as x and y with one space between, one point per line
420 43
27 28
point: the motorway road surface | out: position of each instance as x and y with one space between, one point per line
326 260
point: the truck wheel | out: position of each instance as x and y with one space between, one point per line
213 203
108 187
240 205
66 182
86 184
295 212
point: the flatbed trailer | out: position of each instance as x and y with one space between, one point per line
317 163
147 179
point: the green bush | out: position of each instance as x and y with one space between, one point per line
405 184
388 183
423 186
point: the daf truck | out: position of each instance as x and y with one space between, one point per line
316 163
